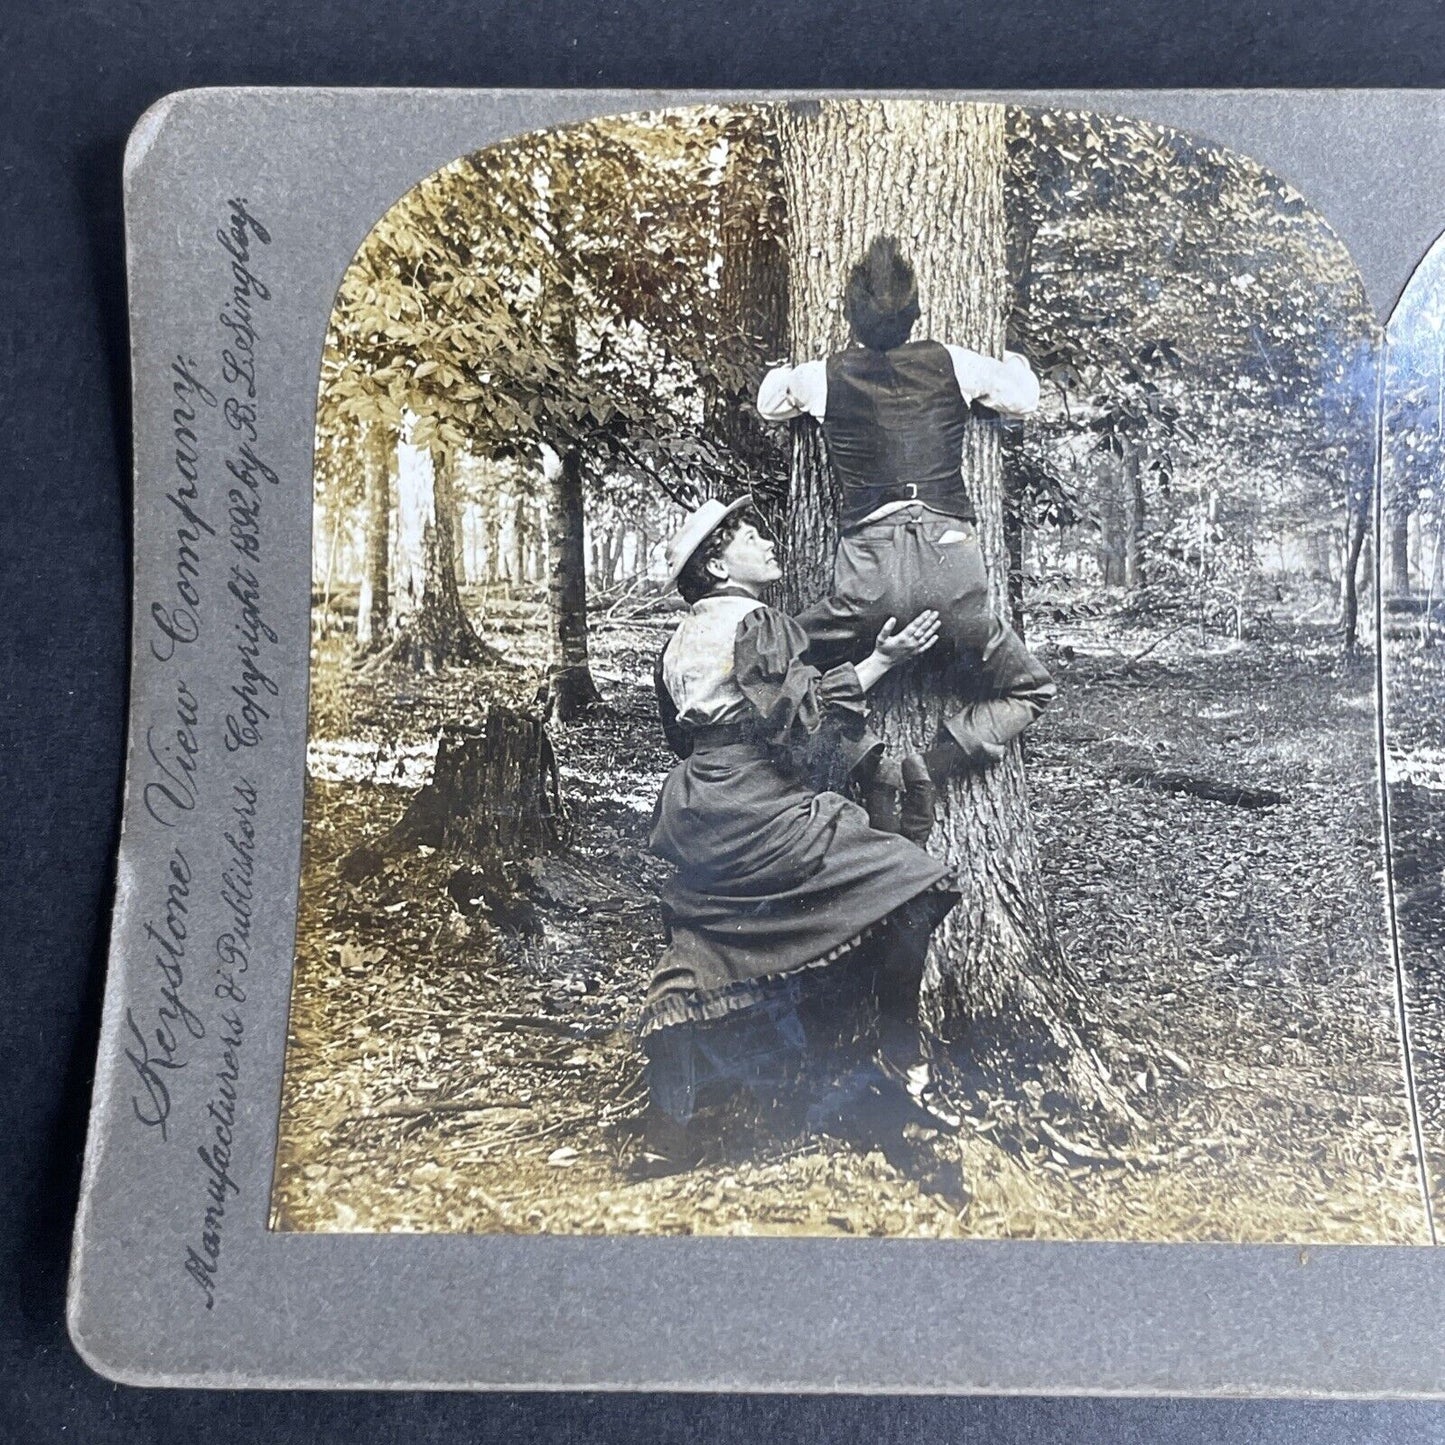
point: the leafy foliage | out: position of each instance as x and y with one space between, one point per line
559 290
1197 321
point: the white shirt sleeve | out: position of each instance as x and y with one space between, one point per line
789 391
1008 386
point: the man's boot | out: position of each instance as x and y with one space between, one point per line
949 757
881 797
920 794
944 759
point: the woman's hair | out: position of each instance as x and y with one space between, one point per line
695 581
881 301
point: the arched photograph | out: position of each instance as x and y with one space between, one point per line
843 694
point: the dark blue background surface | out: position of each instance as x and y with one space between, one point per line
75 78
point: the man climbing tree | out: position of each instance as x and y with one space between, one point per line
933 176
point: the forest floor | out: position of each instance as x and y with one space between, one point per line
446 1076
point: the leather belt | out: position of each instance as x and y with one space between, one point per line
721 735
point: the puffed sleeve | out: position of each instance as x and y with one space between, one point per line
676 735
793 701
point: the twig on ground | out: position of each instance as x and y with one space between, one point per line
437 1107
628 589
1162 638
1077 1148
528 1021
1212 790
616 622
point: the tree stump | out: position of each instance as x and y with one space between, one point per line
494 789
494 799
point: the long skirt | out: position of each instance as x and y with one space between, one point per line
771 878
776 886
805 1035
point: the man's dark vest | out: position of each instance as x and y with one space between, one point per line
895 423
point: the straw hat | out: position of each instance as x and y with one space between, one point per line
697 528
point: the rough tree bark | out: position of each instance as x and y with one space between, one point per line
378 449
1110 547
536 522
494 804
515 526
459 549
330 572
752 303
574 693
487 534
932 174
1013 540
494 789
1433 588
431 629
474 544
613 538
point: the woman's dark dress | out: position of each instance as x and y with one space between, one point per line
775 880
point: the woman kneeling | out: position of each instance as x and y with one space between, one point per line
789 914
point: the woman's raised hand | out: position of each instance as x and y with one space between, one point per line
897 645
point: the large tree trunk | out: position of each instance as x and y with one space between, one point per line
488 532
932 174
432 629
752 305
459 546
1110 551
1433 587
330 570
574 693
512 538
377 451
536 523
1013 538
615 539
474 544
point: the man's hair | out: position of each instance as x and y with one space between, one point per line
695 581
881 301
